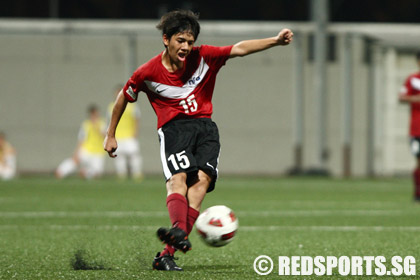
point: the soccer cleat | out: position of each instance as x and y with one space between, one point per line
175 237
165 262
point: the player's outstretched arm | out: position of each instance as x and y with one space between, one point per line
403 98
110 143
243 48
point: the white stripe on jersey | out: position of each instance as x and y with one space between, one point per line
175 92
415 83
166 170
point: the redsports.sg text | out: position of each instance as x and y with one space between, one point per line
329 265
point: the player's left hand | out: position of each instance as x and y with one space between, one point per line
285 37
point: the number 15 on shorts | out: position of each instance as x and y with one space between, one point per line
179 160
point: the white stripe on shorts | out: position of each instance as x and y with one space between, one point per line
166 170
415 147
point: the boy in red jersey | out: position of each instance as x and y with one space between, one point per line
179 84
410 93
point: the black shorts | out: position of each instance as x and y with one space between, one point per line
415 146
188 146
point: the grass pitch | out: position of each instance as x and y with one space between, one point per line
105 229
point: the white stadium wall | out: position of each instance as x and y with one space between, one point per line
48 80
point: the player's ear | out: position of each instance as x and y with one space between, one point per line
165 40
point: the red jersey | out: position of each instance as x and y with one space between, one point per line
412 87
185 93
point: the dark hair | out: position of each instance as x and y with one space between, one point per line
418 55
179 21
92 108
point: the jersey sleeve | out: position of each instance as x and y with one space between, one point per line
214 56
134 85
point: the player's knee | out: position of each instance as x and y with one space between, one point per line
199 190
204 178
177 184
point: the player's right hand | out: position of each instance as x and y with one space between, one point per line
110 146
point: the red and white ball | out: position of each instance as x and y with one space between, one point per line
217 225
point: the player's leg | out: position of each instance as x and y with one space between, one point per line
177 190
6 172
84 160
99 165
176 141
121 160
92 165
207 156
415 149
135 160
417 180
177 205
176 200
136 165
66 168
10 172
197 191
195 195
121 165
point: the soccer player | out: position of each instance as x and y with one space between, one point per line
128 144
410 93
89 155
179 84
7 159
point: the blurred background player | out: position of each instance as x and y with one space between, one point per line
7 159
128 160
410 93
89 155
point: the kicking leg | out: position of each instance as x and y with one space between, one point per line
177 204
195 195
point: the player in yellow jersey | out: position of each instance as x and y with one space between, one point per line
128 160
89 155
7 159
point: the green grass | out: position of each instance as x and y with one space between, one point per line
109 226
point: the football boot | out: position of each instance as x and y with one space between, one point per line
175 237
165 263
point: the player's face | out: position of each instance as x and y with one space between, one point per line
179 46
94 115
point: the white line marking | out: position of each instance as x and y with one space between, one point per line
273 213
241 229
331 228
85 214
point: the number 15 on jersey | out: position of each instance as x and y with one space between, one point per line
189 104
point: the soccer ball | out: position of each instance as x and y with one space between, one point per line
217 225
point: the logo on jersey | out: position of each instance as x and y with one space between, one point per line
194 80
208 164
131 93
